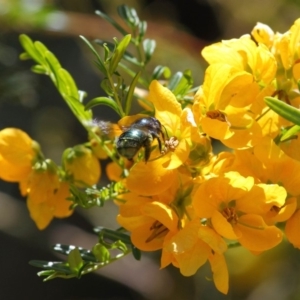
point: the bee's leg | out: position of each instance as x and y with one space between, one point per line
159 141
147 146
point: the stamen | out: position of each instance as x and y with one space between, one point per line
218 115
158 230
230 215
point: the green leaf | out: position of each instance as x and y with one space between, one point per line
75 261
68 82
184 84
142 30
41 48
126 56
103 101
100 63
111 21
137 254
29 47
161 70
149 47
120 245
286 111
101 253
85 254
129 96
174 81
290 133
24 56
52 61
129 15
113 235
119 52
39 70
51 265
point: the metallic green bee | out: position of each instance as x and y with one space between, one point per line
140 134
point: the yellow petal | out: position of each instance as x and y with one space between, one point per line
220 272
132 223
42 185
256 234
263 34
150 178
41 213
222 54
179 156
85 168
214 240
16 147
216 129
60 202
222 226
163 99
13 172
140 235
292 229
162 213
185 239
190 261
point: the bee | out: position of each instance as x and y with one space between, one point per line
140 134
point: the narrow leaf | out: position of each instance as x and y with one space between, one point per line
101 253
161 71
39 69
185 83
24 56
142 30
290 133
129 15
75 261
137 254
149 47
69 83
126 55
50 265
111 21
99 60
119 52
286 111
174 81
103 101
129 96
29 47
113 235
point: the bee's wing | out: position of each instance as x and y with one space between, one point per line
108 129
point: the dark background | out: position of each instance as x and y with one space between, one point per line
30 102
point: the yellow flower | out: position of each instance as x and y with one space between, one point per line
177 121
189 248
84 167
42 184
17 154
56 205
240 75
244 55
262 33
148 221
234 206
292 229
222 106
151 178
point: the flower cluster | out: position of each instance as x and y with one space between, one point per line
190 202
185 200
46 185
